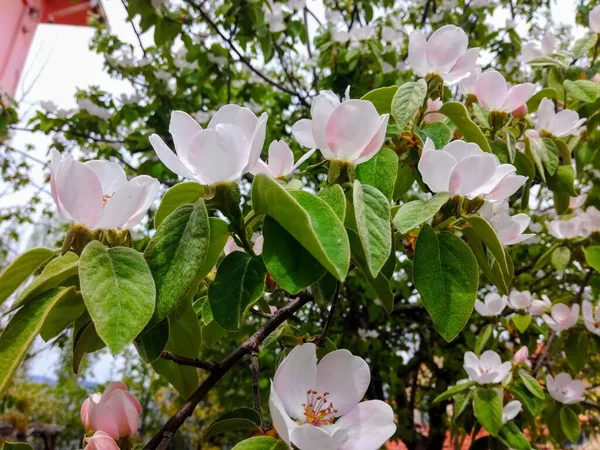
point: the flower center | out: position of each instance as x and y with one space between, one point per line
486 369
318 410
105 198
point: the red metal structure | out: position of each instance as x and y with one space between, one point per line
18 21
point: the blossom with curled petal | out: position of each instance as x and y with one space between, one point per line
97 193
532 50
562 317
591 316
224 151
520 300
492 92
432 115
578 226
492 305
521 355
280 162
462 168
444 53
561 124
115 412
351 130
564 389
540 307
510 229
486 369
100 441
307 398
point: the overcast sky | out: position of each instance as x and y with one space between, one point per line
60 62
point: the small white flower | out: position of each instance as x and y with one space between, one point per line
564 389
274 17
492 92
540 307
591 317
493 305
563 123
367 334
520 300
49 106
486 369
532 50
562 317
280 162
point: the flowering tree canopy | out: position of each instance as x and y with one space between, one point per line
389 213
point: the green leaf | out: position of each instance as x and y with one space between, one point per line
292 267
211 331
483 337
458 114
576 351
54 274
372 213
415 213
522 322
64 313
176 254
180 194
438 132
534 405
513 438
324 290
239 283
381 98
261 443
85 340
22 329
165 31
219 233
524 165
553 421
584 45
118 291
534 102
592 257
452 391
334 196
545 258
532 385
151 343
446 275
380 285
491 269
560 259
583 90
570 423
407 100
534 147
562 182
380 172
486 232
404 181
309 219
21 268
241 419
184 340
545 61
487 406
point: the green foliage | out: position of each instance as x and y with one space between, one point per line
245 419
415 213
458 114
380 172
381 98
487 406
261 443
180 194
407 100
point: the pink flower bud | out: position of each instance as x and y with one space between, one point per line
116 412
521 111
596 78
100 441
521 355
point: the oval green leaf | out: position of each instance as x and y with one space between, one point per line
458 114
261 443
183 193
415 213
487 406
381 98
380 172
245 419
407 100
570 423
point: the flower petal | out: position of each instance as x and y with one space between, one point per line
507 187
376 143
237 115
183 127
281 158
111 175
302 132
465 65
482 309
444 47
511 410
517 96
80 192
435 167
257 141
150 187
170 159
295 376
55 167
345 377
262 167
369 425
471 360
491 89
471 173
281 421
121 206
563 123
320 110
461 149
303 158
417 53
101 419
545 113
310 437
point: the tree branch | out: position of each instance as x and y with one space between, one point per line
255 368
164 436
194 362
329 320
544 354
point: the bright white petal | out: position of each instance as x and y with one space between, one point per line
150 187
169 158
417 53
545 113
517 96
183 127
491 89
281 421
302 131
511 410
369 425
121 206
80 192
257 140
237 115
436 168
464 66
376 143
471 173
444 47
111 175
309 437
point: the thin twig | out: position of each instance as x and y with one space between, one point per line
255 368
544 354
194 362
164 436
329 320
139 38
258 312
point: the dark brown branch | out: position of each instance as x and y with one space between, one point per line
540 361
164 436
255 368
329 320
194 362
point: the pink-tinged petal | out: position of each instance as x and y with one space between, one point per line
444 47
345 377
351 127
530 51
519 239
594 19
436 168
55 166
310 437
281 421
237 115
83 414
574 315
111 175
80 192
281 158
100 441
257 142
302 132
467 84
461 149
507 187
183 127
545 113
101 419
170 159
491 89
262 167
471 173
563 123
577 389
417 53
376 143
220 154
123 205
501 172
369 425
511 410
150 187
428 146
586 308
114 386
517 96
320 110
231 246
125 413
258 242
303 158
482 309
548 43
295 376
465 65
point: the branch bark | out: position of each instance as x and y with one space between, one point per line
194 362
164 436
